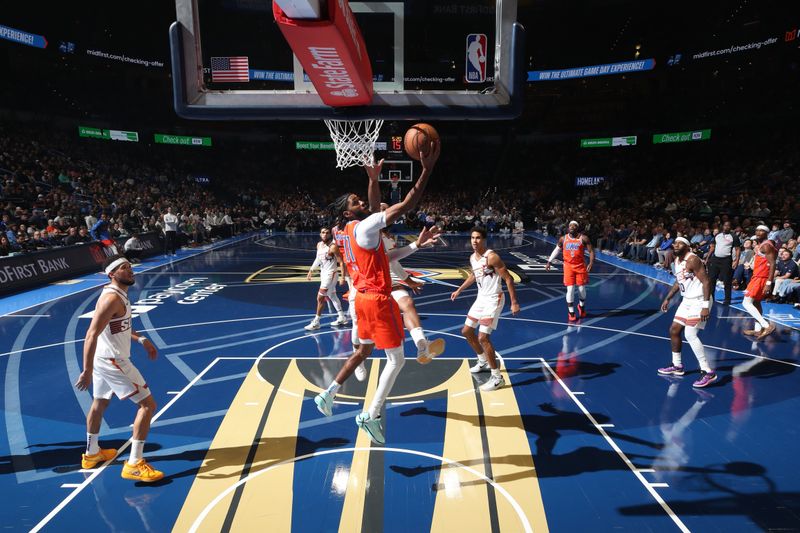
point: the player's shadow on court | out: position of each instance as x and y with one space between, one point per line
60 457
228 462
547 428
585 370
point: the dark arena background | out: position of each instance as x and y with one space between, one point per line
657 127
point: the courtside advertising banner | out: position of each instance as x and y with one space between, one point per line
23 271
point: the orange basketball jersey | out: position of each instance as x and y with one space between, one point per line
573 251
372 266
761 265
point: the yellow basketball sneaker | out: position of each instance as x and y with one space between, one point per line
91 461
141 471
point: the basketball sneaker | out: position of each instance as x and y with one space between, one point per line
429 350
324 402
750 332
372 427
91 461
480 366
314 324
765 332
571 317
495 382
361 372
672 370
706 379
141 471
581 311
340 322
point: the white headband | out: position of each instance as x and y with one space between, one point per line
684 241
571 222
762 228
113 266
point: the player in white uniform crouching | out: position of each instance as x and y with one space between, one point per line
692 314
488 270
107 365
327 251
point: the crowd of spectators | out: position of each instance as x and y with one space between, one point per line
69 191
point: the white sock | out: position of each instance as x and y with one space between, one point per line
92 444
698 348
137 450
571 307
757 326
333 388
582 303
676 358
418 335
316 318
482 358
496 372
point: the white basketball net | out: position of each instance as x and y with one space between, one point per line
354 141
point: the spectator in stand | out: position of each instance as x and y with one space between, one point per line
665 252
72 236
83 235
722 258
787 275
134 248
705 242
90 220
37 242
5 246
24 243
653 245
787 233
100 231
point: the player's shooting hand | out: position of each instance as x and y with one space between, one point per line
427 237
374 172
429 161
84 380
152 353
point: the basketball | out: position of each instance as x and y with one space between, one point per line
418 139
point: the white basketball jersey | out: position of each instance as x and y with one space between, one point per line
691 287
396 270
489 281
325 259
114 341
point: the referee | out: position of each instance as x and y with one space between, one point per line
722 258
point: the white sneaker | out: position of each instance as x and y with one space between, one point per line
494 383
312 326
480 366
341 321
433 349
361 372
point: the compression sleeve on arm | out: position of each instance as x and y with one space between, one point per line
368 231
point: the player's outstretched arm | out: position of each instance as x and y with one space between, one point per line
374 186
107 305
554 253
499 266
415 194
467 282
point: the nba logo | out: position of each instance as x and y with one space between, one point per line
476 58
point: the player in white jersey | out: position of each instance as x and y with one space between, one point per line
489 271
326 261
692 314
107 367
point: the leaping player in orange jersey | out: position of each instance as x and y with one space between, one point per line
576 271
760 285
379 322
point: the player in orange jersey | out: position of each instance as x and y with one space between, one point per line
379 322
760 286
576 271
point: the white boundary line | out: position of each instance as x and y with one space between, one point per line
600 427
77 490
520 513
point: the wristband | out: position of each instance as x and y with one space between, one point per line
141 340
769 282
706 304
413 245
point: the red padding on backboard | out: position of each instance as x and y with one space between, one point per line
332 53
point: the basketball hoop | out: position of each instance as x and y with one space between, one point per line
354 141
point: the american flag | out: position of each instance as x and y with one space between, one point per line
230 69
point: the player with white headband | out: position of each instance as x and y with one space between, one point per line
107 367
760 286
692 313
576 271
